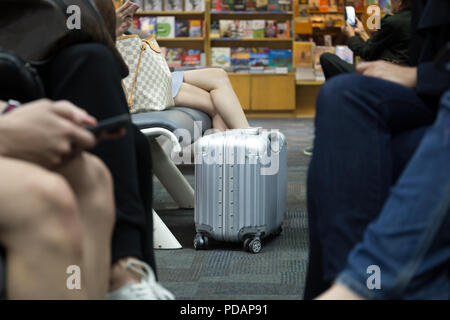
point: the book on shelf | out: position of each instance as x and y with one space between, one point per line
240 57
283 29
182 28
195 28
136 24
174 57
214 31
239 5
148 25
153 5
250 5
194 5
314 5
259 27
191 57
261 5
271 29
280 58
246 28
345 53
259 57
226 28
285 5
273 5
323 6
173 5
165 27
221 57
327 40
227 5
303 54
359 5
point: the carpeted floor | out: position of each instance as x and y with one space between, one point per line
225 271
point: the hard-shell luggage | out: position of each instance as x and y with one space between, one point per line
240 187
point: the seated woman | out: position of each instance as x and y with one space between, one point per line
389 43
208 90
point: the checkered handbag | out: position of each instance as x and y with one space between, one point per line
148 87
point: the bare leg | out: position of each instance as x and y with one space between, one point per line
224 99
93 188
40 229
196 98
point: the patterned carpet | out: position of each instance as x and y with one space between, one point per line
225 271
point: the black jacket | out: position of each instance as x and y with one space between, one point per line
390 43
430 34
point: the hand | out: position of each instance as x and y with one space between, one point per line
406 76
45 133
348 30
124 16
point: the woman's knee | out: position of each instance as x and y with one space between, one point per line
219 77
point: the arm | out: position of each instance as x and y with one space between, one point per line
372 48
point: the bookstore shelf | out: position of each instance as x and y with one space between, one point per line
198 39
171 13
253 39
309 82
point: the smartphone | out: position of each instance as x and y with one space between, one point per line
110 125
350 15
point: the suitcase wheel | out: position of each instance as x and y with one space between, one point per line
200 242
253 245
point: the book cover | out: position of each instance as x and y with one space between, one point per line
271 29
323 5
280 58
136 23
226 28
259 27
302 54
194 5
174 57
259 57
283 29
345 53
333 6
273 5
236 31
195 28
173 5
216 5
214 31
314 5
246 28
250 5
239 5
153 5
148 24
261 5
285 5
221 57
227 5
191 58
165 27
181 28
240 57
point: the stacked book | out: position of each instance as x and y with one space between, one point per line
168 27
250 29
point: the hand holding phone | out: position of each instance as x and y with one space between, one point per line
111 128
350 15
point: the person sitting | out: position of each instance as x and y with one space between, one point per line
56 203
389 43
407 245
208 90
368 126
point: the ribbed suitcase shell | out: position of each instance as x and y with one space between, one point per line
233 200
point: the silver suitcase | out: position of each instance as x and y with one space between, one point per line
240 187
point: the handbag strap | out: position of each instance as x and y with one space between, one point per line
133 86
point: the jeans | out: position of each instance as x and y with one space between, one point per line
410 240
366 131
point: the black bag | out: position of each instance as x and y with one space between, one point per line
18 79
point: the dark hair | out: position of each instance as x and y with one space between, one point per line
406 4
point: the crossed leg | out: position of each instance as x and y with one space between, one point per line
209 90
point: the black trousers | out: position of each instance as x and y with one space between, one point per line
332 65
88 76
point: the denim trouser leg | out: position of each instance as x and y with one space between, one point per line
410 241
352 167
